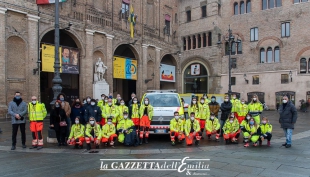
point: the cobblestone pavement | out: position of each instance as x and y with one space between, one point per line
225 160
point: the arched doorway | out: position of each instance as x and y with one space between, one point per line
70 61
168 73
124 71
195 78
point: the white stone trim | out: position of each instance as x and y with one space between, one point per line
33 17
18 11
158 49
145 45
263 72
90 32
109 36
3 10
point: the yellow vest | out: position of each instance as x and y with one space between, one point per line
242 109
121 110
213 125
204 111
96 128
110 111
187 127
107 130
77 131
36 112
195 109
135 111
150 111
176 125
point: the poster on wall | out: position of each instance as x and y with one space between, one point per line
167 73
195 69
124 68
68 57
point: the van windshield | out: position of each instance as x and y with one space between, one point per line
164 100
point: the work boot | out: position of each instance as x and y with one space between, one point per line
80 146
268 143
97 146
76 146
288 146
141 139
146 141
254 144
209 138
197 143
24 146
227 141
88 146
260 143
13 147
172 143
202 137
246 145
284 144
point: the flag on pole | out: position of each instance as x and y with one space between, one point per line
48 1
131 19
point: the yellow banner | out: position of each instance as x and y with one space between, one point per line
48 58
124 68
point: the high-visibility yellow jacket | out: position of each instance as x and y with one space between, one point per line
121 110
77 131
251 129
189 124
36 112
204 111
110 111
195 108
96 128
176 125
101 104
150 111
125 124
135 111
231 127
265 128
235 103
255 107
212 125
107 130
242 109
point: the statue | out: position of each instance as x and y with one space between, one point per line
100 70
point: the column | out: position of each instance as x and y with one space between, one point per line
142 75
33 81
186 43
207 40
192 42
109 56
196 36
201 41
156 69
87 71
3 106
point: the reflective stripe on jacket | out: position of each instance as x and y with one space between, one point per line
36 112
77 131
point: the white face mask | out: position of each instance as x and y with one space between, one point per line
77 122
84 102
212 117
118 98
125 117
122 103
194 102
254 99
192 118
109 104
232 115
205 97
284 101
146 102
202 101
234 97
248 117
242 102
231 121
102 98
264 122
176 117
34 102
92 122
106 101
135 101
88 99
225 99
109 123
92 103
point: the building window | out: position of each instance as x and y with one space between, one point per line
276 54
236 12
176 18
271 4
309 66
125 10
255 80
194 42
204 11
242 10
188 16
239 48
189 41
284 78
248 6
210 39
195 82
254 34
264 4
233 80
167 25
199 41
262 55
204 42
303 65
278 3
184 44
233 63
299 1
269 55
285 29
233 48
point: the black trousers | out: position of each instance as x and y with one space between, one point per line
61 134
22 131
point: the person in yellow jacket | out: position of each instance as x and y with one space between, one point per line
36 112
205 96
126 131
102 104
134 114
108 133
176 129
146 115
204 114
110 110
121 109
194 107
242 111
255 108
76 136
235 104
213 127
231 130
266 129
192 130
251 133
92 133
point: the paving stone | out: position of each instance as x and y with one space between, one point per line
243 169
297 170
153 151
222 173
280 173
263 164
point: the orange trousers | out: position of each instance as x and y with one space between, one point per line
36 129
189 141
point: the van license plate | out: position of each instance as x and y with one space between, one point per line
160 131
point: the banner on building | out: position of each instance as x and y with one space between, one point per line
48 1
167 73
195 69
124 68
68 57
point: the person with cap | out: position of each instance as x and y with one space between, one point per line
251 133
127 132
266 129
213 127
92 133
176 129
235 104
214 106
76 136
242 111
111 110
146 115
93 111
114 101
194 107
192 130
204 114
108 133
231 130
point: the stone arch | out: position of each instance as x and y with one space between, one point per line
301 52
197 58
132 47
169 59
269 38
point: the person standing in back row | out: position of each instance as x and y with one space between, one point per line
226 110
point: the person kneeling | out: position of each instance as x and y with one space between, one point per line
76 136
176 129
192 130
92 133
108 133
127 132
231 130
266 129
251 133
213 127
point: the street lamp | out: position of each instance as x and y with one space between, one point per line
230 39
57 79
